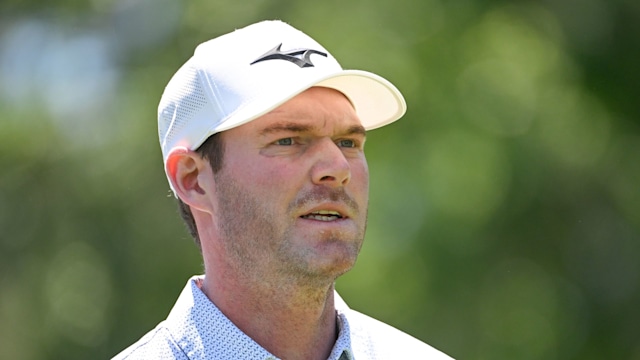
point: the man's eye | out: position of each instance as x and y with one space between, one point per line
347 143
285 142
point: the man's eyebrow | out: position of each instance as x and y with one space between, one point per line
289 127
356 130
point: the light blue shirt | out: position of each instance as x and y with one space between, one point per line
196 329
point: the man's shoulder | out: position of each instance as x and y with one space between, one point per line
381 340
156 344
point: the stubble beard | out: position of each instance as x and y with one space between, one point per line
262 250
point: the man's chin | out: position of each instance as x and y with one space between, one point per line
327 268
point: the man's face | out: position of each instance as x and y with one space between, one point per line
292 194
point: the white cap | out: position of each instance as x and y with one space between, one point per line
237 77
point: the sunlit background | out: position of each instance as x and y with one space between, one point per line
505 216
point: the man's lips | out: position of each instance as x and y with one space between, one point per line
323 215
327 212
325 204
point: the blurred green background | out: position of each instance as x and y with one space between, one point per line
505 216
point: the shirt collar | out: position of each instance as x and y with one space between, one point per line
202 331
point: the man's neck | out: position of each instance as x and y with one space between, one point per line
290 321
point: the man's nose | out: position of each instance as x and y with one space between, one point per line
331 167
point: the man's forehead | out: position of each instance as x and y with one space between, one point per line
311 110
304 122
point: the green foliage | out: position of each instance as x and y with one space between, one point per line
505 206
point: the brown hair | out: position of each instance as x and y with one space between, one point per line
213 150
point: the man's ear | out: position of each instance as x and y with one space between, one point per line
191 177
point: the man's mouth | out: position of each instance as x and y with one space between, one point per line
323 215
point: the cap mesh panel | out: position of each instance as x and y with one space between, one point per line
184 99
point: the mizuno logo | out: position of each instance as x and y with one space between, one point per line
299 57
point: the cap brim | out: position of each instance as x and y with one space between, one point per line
376 101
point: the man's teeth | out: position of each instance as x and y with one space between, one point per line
323 215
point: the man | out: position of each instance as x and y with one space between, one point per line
262 135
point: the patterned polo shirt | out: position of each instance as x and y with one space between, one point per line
196 330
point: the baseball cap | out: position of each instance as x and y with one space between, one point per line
242 75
